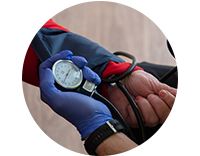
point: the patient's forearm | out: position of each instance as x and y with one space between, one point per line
116 143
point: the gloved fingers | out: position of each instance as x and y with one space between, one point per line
66 54
91 76
79 61
47 87
47 81
47 76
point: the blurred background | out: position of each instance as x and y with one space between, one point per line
115 27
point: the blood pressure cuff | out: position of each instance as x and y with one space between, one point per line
47 42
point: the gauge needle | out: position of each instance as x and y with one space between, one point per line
67 75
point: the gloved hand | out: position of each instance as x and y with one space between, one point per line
82 111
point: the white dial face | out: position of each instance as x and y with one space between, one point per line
67 74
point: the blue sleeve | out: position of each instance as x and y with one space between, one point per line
48 42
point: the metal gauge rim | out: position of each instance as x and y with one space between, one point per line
66 86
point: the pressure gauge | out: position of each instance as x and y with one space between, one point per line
67 74
70 77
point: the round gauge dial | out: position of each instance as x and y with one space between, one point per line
67 74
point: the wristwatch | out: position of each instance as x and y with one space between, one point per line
102 133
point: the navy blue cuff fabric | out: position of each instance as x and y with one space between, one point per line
48 42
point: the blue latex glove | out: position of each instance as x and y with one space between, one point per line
82 111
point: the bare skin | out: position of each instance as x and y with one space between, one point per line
154 99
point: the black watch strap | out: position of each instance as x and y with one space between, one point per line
100 134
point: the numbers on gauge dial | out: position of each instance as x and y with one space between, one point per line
67 74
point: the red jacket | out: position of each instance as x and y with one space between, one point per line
36 14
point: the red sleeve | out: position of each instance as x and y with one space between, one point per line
115 69
34 14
